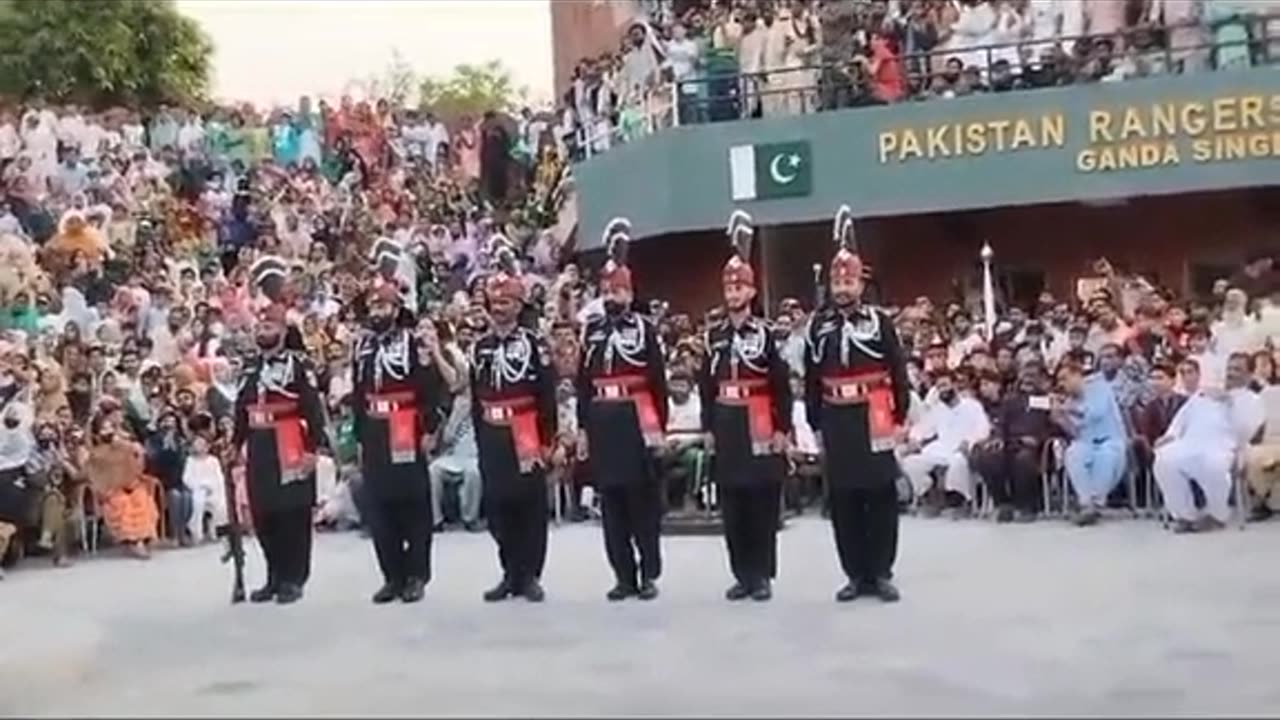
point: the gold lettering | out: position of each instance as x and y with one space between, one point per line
1132 127
888 144
1273 117
936 142
1232 147
1224 115
1128 156
910 146
1164 120
1171 156
1107 160
1099 126
1201 151
975 139
1022 135
998 127
1087 161
1259 146
1251 112
1052 130
1193 119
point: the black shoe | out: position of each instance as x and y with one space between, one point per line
1088 517
1183 527
885 590
533 592
288 594
648 590
266 593
849 592
414 589
501 591
762 592
1260 513
620 591
1004 515
737 592
386 593
438 527
473 527
1025 516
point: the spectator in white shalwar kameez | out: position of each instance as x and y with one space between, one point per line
1201 445
202 475
947 430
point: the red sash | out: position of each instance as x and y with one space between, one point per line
754 396
633 389
520 414
401 414
282 417
874 388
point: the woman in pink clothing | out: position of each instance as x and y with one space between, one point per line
467 142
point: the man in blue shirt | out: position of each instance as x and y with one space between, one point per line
1095 457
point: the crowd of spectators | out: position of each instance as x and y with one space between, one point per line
125 298
688 61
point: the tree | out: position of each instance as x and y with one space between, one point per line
102 52
396 84
470 90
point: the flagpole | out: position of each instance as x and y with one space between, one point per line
988 291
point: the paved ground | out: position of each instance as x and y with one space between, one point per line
1044 619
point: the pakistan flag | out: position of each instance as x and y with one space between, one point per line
770 170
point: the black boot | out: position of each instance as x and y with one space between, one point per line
885 590
266 593
621 591
533 591
414 589
849 592
388 592
763 591
288 594
737 592
648 590
501 591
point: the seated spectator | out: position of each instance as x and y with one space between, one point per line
1212 366
58 490
1151 420
16 494
1262 461
1095 456
684 451
457 459
1200 446
166 454
949 428
125 496
205 483
1012 475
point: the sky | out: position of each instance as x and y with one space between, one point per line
272 51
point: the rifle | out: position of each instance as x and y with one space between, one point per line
235 542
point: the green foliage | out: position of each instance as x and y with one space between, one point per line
470 90
102 52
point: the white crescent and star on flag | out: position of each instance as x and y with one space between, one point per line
789 160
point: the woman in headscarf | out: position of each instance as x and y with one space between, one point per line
126 498
16 497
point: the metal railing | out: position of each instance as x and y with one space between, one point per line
1021 65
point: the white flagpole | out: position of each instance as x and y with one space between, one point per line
988 291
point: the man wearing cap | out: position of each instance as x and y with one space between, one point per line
279 419
622 417
398 402
856 400
746 407
514 414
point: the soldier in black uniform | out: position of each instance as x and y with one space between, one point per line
280 418
514 410
398 400
622 415
746 407
856 399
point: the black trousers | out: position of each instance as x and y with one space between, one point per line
865 521
750 514
285 538
518 523
401 532
1016 479
632 519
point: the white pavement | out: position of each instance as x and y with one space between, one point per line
1045 619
